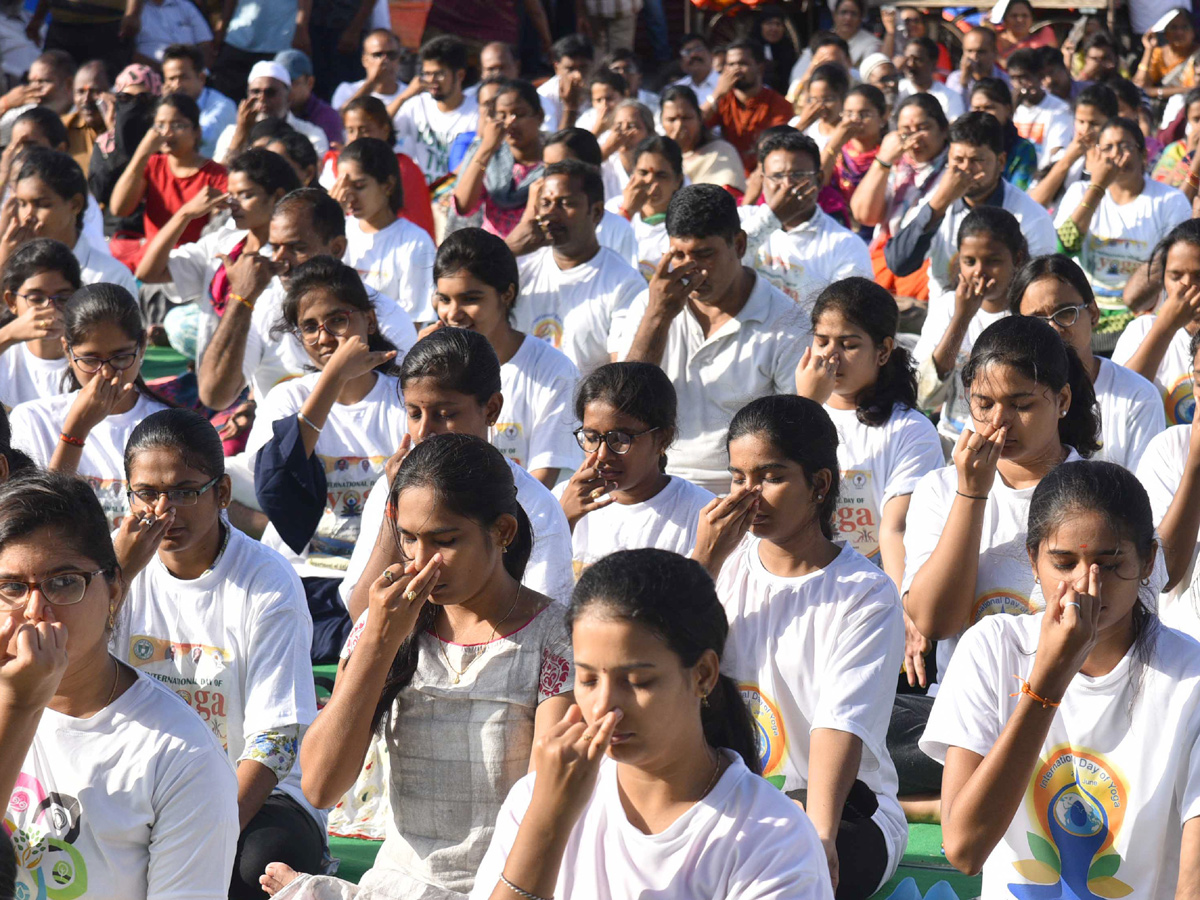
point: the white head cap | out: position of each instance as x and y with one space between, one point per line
870 63
270 69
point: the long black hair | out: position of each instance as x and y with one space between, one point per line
17 460
98 304
1054 265
470 478
61 174
637 389
802 431
183 431
1184 233
64 504
870 307
377 159
1035 350
676 600
458 360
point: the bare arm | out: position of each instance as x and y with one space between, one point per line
1047 189
1181 524
1176 313
1143 287
219 375
155 266
891 537
130 188
868 204
1188 886
469 188
255 783
833 761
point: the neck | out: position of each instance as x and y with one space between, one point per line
800 218
1091 362
256 239
703 78
654 796
801 553
646 489
192 562
355 389
506 341
450 103
982 195
490 606
568 257
744 94
86 687
845 401
1126 189
46 348
127 404
378 221
1027 473
1111 646
528 153
923 81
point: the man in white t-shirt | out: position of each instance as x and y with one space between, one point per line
433 110
564 96
790 239
574 292
695 58
973 177
920 60
267 96
1041 118
723 334
381 59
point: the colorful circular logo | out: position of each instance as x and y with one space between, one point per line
1076 812
768 728
1180 401
548 328
1001 602
143 649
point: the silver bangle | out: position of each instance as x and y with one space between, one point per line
307 421
520 892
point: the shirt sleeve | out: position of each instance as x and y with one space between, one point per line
908 249
551 442
196 22
926 519
792 336
192 268
277 750
625 331
279 680
1147 420
1160 473
558 665
373 515
759 223
508 822
967 712
917 450
627 295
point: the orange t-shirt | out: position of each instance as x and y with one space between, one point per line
741 124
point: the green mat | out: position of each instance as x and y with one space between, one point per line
161 362
356 856
924 863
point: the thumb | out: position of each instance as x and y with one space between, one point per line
7 630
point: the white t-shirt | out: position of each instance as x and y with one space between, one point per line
703 90
426 132
879 463
97 265
1116 776
652 240
667 521
1120 239
615 233
36 427
137 801
549 569
804 261
397 262
577 309
1049 126
315 134
170 22
233 644
552 107
1174 376
614 176
820 138
536 425
355 442
1004 581
745 840
950 101
347 89
818 651
25 377
752 355
1131 414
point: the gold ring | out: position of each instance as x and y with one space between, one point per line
588 736
387 573
411 596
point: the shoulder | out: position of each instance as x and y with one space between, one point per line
269 576
169 724
291 393
851 567
1166 452
42 408
539 504
1178 654
1128 383
543 361
613 268
911 424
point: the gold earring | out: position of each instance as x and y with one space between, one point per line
112 618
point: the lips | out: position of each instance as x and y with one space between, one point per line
621 737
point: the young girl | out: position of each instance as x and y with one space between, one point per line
657 175
207 585
852 148
392 255
649 786
120 790
38 280
816 636
84 432
452 382
822 112
622 497
991 248
632 124
311 484
1156 346
1078 777
167 169
456 663
991 95
1055 290
477 285
869 390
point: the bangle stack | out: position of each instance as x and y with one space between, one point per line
520 892
1193 181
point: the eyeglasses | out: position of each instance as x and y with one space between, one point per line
175 496
335 325
42 299
779 178
1064 318
93 364
63 589
618 442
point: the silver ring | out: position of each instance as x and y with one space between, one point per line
1074 603
387 573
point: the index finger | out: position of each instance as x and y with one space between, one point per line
1093 587
604 734
660 270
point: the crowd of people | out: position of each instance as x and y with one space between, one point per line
695 471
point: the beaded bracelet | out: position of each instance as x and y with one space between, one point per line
71 439
1026 689
520 892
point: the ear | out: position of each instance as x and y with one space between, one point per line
509 298
504 531
739 244
224 491
116 592
1148 567
1064 400
372 323
1094 314
597 213
884 353
822 483
10 300
337 247
664 437
491 409
66 347
1001 161
77 204
706 672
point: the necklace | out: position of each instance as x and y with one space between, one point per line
712 781
459 673
116 681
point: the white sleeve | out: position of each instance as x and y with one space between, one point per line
1060 133
508 822
31 432
915 451
551 439
625 331
936 322
368 532
1175 209
1069 203
926 519
417 283
192 268
550 570
966 712
279 680
792 336
1131 339
624 300
194 836
759 223
1160 472
224 139
1147 420
856 260
1189 791
1040 233
396 325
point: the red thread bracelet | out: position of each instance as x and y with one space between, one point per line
69 439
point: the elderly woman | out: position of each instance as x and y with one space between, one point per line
632 123
706 159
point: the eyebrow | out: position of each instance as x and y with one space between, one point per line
182 485
762 468
431 532
625 668
50 573
1064 552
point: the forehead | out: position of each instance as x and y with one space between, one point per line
970 151
512 100
786 159
1049 292
293 222
87 77
174 68
264 84
976 41
377 43
1000 379
734 57
562 186
240 183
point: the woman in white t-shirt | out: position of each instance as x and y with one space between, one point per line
650 786
1071 739
657 175
1032 407
621 497
320 441
1055 290
84 432
113 787
1156 346
1113 222
991 249
477 284
816 635
457 664
38 280
633 122
392 255
221 620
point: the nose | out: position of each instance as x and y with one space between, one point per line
452 312
424 552
605 452
36 607
420 429
325 339
603 699
161 505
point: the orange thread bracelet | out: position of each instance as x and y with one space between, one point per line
1026 689
240 299
70 439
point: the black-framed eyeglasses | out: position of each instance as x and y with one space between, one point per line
336 324
93 364
63 589
1065 317
37 299
618 442
175 496
778 178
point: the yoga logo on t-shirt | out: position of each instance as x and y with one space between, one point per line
44 827
1078 799
1179 401
1001 601
857 518
770 735
549 329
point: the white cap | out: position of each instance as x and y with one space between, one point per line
870 63
268 68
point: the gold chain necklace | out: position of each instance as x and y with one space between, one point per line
459 673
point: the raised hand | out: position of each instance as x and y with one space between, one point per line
816 375
724 521
975 457
250 274
969 294
35 324
138 538
789 201
669 289
33 659
567 760
353 357
1182 308
396 598
893 147
916 645
586 491
94 403
392 466
206 201
1070 628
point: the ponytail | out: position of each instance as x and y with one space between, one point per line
727 723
